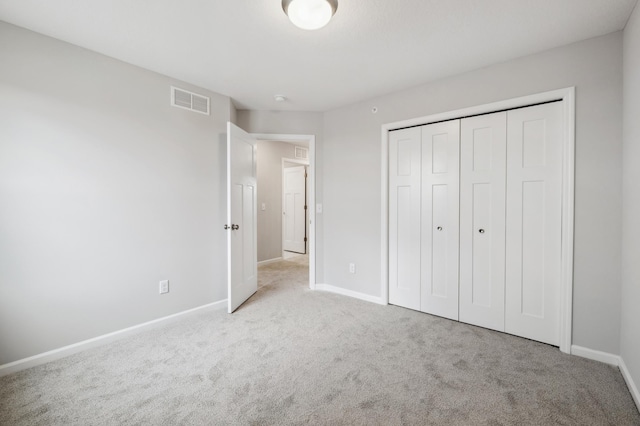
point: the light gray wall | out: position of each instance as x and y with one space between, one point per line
351 164
630 321
270 155
105 189
300 123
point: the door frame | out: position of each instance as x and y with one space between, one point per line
311 193
304 163
567 97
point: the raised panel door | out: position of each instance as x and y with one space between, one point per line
404 218
482 220
534 222
440 226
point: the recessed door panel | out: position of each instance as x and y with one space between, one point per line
482 220
404 218
533 152
407 256
534 222
439 246
482 148
481 277
404 152
440 225
248 243
440 153
533 238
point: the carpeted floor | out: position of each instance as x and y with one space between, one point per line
294 356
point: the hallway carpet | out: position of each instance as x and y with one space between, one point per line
294 356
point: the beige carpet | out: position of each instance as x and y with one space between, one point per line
294 356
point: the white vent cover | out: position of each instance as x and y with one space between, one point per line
302 153
188 100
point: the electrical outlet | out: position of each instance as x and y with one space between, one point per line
263 207
164 286
352 268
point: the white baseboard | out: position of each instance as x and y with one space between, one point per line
605 357
43 358
266 262
614 360
630 383
350 293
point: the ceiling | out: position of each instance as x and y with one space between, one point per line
248 50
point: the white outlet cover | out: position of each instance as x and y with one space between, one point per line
164 286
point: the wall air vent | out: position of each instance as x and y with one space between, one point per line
188 100
302 153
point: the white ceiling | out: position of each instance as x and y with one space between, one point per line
248 50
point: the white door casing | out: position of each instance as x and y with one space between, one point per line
440 218
534 220
241 216
294 209
482 220
404 217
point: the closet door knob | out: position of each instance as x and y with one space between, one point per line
481 231
439 228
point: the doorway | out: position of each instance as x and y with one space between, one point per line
274 153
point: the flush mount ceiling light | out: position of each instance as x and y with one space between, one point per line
310 14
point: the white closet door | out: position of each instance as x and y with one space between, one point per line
534 222
482 220
440 218
404 218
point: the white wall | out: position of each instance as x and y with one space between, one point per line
351 164
269 171
630 321
105 189
295 123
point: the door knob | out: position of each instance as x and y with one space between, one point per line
481 231
235 227
439 228
227 227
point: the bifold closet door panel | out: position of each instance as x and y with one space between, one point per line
440 218
482 220
534 209
404 217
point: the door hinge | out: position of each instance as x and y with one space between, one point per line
305 239
305 207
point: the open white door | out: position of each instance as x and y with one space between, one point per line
294 209
241 216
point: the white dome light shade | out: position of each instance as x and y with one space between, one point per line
309 14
